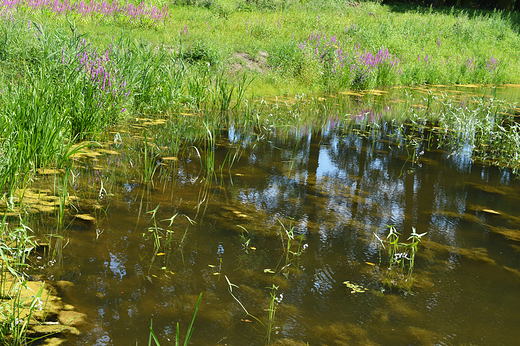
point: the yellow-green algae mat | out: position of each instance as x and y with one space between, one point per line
37 308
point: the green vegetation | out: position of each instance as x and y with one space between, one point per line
16 306
66 77
189 332
398 270
204 66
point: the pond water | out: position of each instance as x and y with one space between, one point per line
331 190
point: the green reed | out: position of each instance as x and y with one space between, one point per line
272 312
163 236
15 247
155 230
16 310
169 232
288 243
13 330
244 240
230 290
149 161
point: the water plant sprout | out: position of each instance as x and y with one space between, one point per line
400 259
189 331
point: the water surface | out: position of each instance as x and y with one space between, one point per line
333 187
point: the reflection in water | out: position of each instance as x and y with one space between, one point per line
336 189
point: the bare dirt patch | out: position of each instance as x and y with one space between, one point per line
246 61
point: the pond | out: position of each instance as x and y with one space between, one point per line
270 232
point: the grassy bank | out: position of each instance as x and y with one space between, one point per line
317 45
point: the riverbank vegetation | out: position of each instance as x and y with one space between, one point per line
69 69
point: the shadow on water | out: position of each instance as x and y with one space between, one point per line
298 212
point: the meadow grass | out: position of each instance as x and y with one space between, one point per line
316 47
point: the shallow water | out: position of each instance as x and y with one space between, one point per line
335 189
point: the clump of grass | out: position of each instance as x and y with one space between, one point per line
272 312
16 309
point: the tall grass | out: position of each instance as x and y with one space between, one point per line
59 89
16 307
56 97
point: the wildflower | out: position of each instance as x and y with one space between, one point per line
400 255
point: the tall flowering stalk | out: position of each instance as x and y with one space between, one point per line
357 67
104 91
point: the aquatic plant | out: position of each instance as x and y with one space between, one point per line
16 308
290 255
155 230
178 340
149 161
17 314
272 312
274 300
230 290
16 245
401 257
244 240
355 288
